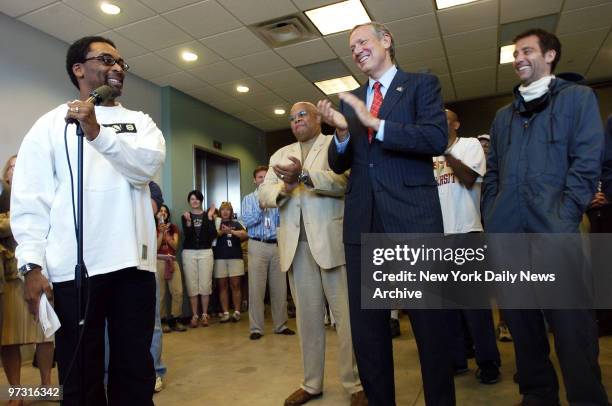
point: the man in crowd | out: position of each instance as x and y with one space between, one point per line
264 263
310 200
542 170
387 132
123 150
459 175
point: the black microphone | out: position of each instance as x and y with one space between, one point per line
97 96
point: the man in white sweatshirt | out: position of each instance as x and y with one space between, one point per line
122 152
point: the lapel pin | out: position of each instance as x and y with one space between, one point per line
399 89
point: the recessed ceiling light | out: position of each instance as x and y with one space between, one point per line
327 19
242 89
279 112
337 85
451 3
189 56
109 8
506 54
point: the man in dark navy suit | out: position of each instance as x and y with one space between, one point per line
387 132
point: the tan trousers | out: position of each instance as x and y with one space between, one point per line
175 286
264 268
310 286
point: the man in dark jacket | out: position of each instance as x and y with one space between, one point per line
542 170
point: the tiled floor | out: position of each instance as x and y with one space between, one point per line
219 365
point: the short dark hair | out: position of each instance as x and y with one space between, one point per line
77 52
167 210
259 169
197 194
547 40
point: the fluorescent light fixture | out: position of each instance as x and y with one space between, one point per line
506 54
338 17
189 56
337 85
109 8
242 89
279 112
451 3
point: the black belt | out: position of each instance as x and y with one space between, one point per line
266 241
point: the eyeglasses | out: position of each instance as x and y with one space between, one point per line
108 60
299 114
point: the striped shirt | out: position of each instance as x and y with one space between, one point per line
260 223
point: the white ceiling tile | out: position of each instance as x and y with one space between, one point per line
230 87
127 48
430 49
307 52
283 78
585 19
235 43
260 63
475 83
154 33
228 106
601 68
203 19
249 115
219 72
15 8
473 60
256 11
151 66
131 10
471 41
359 75
268 125
162 6
576 65
62 22
339 43
268 110
468 17
264 98
210 94
448 91
578 41
390 10
181 80
205 55
506 73
436 66
516 10
414 29
298 93
574 4
310 4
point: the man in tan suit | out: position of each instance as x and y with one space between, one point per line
310 198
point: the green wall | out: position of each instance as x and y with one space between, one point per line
188 122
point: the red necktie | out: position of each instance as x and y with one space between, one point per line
376 103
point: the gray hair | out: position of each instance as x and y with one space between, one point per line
380 31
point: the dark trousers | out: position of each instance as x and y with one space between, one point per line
575 335
126 298
374 351
479 323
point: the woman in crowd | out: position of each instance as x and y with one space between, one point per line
228 261
168 271
199 230
19 327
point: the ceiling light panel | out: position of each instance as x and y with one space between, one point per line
337 85
327 20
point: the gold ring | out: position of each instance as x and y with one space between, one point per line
76 110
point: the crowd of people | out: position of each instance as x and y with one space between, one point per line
395 164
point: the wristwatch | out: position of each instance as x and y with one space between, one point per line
303 177
27 268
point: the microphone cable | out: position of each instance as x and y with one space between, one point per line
86 276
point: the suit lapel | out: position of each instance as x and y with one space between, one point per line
314 151
394 93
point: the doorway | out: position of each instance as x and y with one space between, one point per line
217 176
